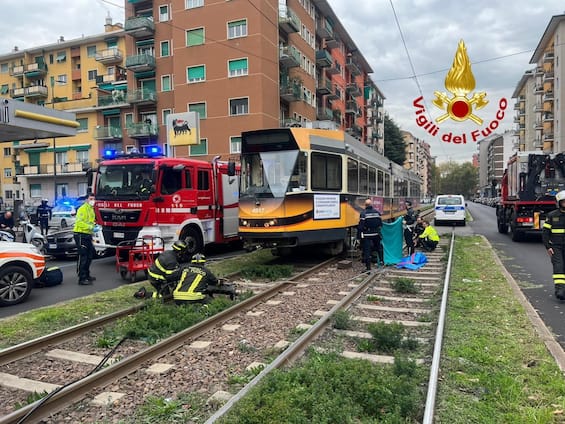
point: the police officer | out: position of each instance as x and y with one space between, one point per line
369 232
408 224
196 283
553 236
44 214
166 271
85 226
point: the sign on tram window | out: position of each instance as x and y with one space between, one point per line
326 206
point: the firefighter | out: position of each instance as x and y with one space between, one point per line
369 232
553 236
143 184
166 271
197 283
44 214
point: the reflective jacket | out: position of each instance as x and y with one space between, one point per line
553 230
166 268
370 223
85 219
430 233
193 283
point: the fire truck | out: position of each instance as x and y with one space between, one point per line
528 189
167 198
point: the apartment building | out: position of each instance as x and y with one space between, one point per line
241 65
419 160
74 75
539 93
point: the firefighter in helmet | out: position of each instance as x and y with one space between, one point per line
166 271
197 283
553 236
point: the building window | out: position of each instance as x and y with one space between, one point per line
83 124
8 194
82 189
165 49
196 74
237 29
199 149
163 13
91 51
82 156
238 67
239 106
195 37
7 172
7 151
4 68
198 107
191 4
35 190
165 113
92 75
61 57
62 79
235 144
166 83
4 89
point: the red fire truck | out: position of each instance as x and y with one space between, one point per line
170 198
528 190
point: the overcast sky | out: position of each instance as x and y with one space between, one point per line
500 37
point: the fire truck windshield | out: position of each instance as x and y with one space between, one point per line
124 182
267 174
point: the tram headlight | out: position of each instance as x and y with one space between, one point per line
244 223
271 223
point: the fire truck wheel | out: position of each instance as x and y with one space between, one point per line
502 228
193 242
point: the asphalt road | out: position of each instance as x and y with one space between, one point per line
526 261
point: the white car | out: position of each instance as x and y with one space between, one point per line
21 265
63 216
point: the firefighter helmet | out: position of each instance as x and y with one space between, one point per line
199 258
559 197
179 245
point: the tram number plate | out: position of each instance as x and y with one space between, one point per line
119 235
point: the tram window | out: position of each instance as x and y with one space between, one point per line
380 183
298 178
352 176
387 185
326 172
372 181
363 178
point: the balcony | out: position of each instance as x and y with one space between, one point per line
76 74
288 21
323 87
548 117
290 123
289 57
353 89
537 108
36 91
351 107
141 130
354 70
324 114
142 97
117 98
42 170
538 125
35 70
139 26
17 93
17 71
109 56
120 74
334 69
548 76
141 62
548 57
548 137
538 89
108 133
290 92
332 95
324 29
548 96
323 58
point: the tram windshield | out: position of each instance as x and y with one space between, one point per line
124 182
272 174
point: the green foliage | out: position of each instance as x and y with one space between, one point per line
394 142
269 272
30 398
404 285
185 408
455 178
342 320
388 337
329 389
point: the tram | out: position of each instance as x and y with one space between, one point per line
307 186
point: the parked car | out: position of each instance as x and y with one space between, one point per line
21 265
61 244
63 216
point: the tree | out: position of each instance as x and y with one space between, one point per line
394 142
455 178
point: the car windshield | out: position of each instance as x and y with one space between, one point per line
124 182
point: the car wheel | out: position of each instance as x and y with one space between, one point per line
63 223
15 285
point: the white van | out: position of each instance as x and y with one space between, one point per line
450 208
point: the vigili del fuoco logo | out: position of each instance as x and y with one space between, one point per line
462 105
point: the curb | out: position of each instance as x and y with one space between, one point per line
552 345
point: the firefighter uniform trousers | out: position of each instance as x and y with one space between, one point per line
553 235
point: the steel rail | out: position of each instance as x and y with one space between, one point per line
75 391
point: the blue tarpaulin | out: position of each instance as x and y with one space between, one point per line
414 261
393 241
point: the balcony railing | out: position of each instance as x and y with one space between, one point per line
139 26
48 169
35 70
288 21
324 87
140 62
17 71
291 92
353 67
107 133
353 89
116 98
36 91
324 114
17 92
109 56
323 58
141 96
142 130
289 57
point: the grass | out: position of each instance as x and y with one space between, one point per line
38 322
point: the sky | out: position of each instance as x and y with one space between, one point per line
409 44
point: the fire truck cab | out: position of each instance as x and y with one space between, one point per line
171 198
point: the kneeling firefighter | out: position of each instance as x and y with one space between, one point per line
553 236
